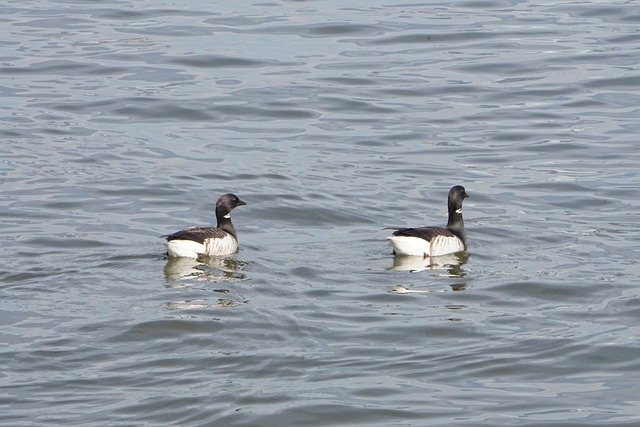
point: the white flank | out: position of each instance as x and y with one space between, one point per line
442 245
225 246
405 245
211 247
415 246
184 248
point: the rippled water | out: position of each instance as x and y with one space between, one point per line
124 121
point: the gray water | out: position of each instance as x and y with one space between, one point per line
124 121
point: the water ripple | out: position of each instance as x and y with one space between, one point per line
122 124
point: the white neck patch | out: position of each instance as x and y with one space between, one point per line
459 210
228 215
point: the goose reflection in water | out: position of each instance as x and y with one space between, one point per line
204 269
190 272
452 263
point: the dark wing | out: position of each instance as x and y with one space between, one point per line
426 233
197 234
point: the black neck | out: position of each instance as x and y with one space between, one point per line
456 225
226 224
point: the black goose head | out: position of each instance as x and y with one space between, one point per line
457 194
225 204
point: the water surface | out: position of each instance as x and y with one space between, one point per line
123 121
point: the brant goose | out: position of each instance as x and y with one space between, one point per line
434 241
208 241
